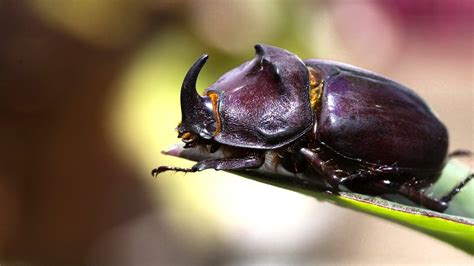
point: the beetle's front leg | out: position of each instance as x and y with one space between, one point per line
248 162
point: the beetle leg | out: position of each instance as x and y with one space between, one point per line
447 198
460 153
362 176
413 191
329 174
372 174
248 162
162 169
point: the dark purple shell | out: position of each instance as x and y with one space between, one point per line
264 103
368 117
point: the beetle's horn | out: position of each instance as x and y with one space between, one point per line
189 96
197 117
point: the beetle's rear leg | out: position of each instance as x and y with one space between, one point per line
413 190
447 198
248 162
460 153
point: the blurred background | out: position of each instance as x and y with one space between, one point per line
89 96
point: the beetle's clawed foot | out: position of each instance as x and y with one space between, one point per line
162 169
155 172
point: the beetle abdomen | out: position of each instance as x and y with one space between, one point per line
368 117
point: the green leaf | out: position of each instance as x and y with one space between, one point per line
455 230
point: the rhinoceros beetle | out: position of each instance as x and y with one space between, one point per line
346 126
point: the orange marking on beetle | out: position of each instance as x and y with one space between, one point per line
186 135
316 87
215 108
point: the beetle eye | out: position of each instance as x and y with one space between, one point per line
316 86
188 138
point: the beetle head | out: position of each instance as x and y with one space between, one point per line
198 112
262 104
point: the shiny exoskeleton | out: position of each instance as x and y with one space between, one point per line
330 121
